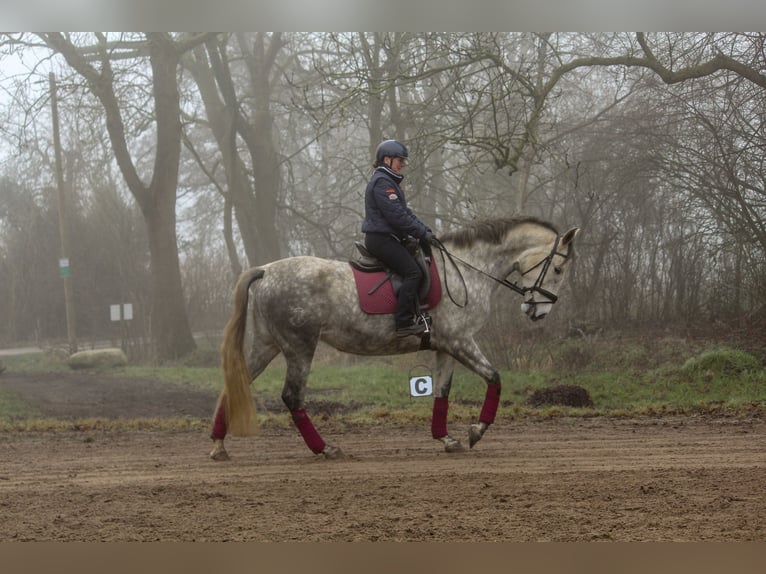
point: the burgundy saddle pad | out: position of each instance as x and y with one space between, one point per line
383 299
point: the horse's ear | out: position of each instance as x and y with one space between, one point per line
570 235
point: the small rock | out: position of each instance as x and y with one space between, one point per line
95 358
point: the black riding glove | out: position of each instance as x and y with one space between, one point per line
426 241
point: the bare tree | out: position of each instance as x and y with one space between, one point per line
240 110
157 199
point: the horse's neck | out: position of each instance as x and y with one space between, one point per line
486 258
500 260
464 281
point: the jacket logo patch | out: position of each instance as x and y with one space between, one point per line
393 196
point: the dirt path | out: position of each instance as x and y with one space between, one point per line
567 480
82 395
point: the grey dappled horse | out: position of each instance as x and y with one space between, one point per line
300 301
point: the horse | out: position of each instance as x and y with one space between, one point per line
299 301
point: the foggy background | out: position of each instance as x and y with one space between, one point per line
188 157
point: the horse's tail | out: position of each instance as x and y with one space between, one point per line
236 398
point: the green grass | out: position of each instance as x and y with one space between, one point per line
36 363
12 407
710 380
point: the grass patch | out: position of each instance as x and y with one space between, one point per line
12 407
678 379
49 362
721 362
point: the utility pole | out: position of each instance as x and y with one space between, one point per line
64 268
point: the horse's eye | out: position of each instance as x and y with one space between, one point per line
557 270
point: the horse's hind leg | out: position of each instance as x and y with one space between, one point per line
261 354
293 395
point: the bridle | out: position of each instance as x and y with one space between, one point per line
537 287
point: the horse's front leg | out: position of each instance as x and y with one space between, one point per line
468 353
445 366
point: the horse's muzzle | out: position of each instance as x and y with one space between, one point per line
536 311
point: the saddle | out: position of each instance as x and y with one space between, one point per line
377 286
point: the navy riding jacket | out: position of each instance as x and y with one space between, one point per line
385 207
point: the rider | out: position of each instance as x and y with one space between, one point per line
387 222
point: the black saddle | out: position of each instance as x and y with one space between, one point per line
368 263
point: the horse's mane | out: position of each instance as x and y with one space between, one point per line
490 230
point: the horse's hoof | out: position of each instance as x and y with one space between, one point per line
475 432
219 453
452 444
332 452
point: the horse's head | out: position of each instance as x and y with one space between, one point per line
542 270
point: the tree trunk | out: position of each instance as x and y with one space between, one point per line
267 179
170 323
170 326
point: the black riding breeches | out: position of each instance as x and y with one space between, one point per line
396 257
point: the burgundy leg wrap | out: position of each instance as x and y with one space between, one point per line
439 417
219 424
308 432
491 402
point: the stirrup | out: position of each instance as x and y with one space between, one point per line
425 339
424 319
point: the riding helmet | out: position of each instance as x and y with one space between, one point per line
390 148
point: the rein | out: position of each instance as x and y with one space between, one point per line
537 287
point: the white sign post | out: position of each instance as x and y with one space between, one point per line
122 313
115 313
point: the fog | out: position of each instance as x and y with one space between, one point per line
188 157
